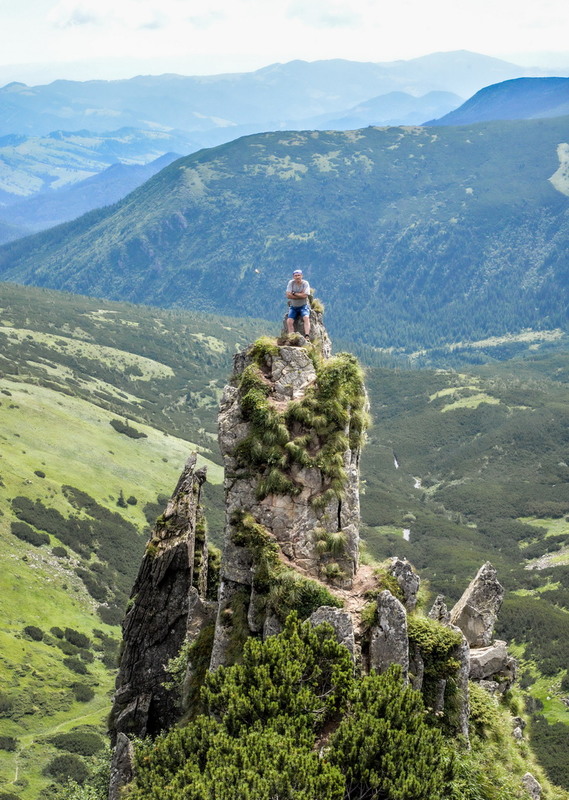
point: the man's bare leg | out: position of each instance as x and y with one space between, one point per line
290 325
306 323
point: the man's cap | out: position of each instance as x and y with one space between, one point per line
297 272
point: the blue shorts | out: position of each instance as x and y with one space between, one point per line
295 312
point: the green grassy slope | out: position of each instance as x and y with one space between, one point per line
70 366
441 234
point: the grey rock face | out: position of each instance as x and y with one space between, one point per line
389 643
122 768
292 519
476 611
462 655
318 333
407 579
155 626
340 620
532 786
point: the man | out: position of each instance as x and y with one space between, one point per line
298 292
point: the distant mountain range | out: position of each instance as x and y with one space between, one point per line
394 108
414 237
523 98
269 98
54 207
141 119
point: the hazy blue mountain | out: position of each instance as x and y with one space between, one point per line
10 232
394 108
54 207
523 98
270 97
30 165
414 237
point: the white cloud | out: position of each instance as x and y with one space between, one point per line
325 14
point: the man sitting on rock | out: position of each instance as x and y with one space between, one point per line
298 291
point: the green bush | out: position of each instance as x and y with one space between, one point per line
83 693
263 719
75 665
8 743
27 534
60 552
82 743
34 633
76 638
126 429
67 767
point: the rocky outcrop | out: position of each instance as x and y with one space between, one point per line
122 767
291 425
340 620
173 569
318 333
476 611
407 580
389 642
293 465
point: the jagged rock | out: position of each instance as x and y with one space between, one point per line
493 662
389 643
518 725
407 579
122 767
272 627
532 786
462 655
155 626
340 620
476 611
318 333
294 520
439 610
416 667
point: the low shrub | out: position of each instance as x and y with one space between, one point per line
83 693
67 767
75 665
33 632
27 534
83 743
8 743
76 638
60 552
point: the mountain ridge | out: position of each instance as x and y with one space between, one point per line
423 222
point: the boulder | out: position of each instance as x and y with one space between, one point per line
340 620
493 663
488 661
389 642
476 611
532 786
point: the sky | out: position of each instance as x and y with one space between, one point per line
41 40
